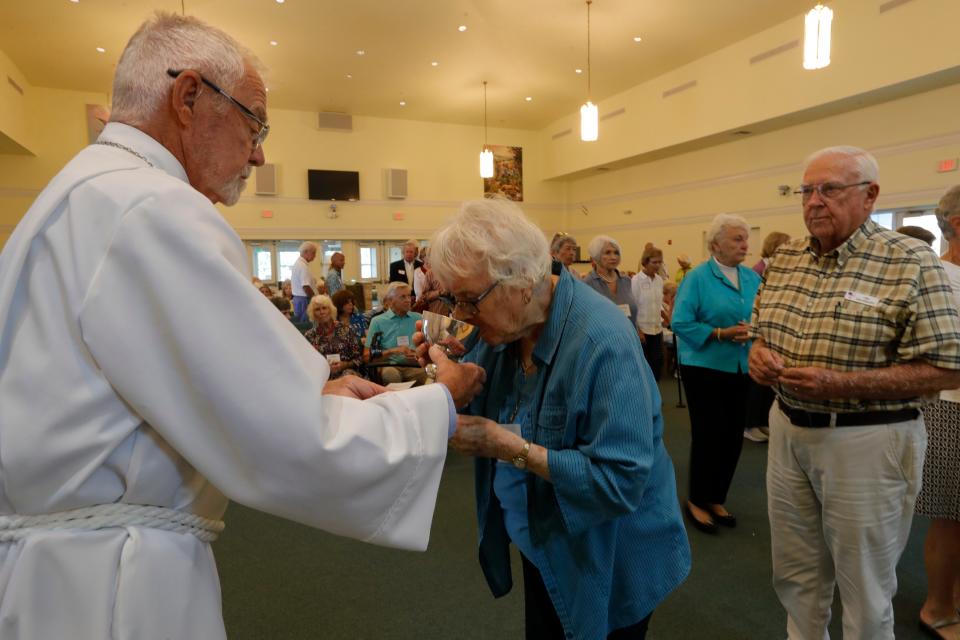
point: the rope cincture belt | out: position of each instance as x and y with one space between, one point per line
104 516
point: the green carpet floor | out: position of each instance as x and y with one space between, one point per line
282 580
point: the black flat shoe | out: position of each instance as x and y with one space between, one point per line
728 520
706 527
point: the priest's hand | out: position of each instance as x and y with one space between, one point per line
352 387
462 380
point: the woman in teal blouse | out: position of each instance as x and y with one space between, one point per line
710 318
576 475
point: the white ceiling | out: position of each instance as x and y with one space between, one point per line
521 47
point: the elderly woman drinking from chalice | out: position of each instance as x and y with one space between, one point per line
570 463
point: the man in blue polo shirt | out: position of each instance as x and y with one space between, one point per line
391 337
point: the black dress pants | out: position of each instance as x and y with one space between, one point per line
542 622
717 402
759 400
653 352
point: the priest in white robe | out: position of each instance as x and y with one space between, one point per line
130 405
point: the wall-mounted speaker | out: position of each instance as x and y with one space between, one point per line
395 183
336 121
266 180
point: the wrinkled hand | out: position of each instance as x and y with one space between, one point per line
463 380
810 383
738 333
352 387
764 365
481 438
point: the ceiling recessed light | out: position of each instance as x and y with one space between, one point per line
637 39
434 63
529 98
462 28
361 52
349 76
578 70
403 103
274 43
267 89
280 1
75 1
101 50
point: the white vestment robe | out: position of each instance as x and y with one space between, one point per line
138 365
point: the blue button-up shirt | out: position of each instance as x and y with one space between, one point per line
608 523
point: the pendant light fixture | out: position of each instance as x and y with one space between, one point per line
486 156
589 115
816 37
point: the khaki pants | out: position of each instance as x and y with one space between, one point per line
841 504
403 374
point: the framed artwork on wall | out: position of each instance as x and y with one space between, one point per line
507 177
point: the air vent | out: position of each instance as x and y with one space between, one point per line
13 84
566 132
614 114
742 132
787 46
603 169
337 121
680 87
892 4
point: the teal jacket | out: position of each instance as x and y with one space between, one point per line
707 300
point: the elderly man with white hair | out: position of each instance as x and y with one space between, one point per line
301 281
855 327
124 434
391 336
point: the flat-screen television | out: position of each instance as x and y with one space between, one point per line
333 185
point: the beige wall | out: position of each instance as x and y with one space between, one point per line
672 201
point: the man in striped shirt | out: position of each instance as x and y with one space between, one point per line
854 327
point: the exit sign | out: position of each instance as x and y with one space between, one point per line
945 166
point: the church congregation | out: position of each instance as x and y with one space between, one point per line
482 371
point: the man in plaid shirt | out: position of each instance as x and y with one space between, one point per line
854 327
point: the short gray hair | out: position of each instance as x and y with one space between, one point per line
866 165
720 222
595 248
560 240
322 300
168 41
392 289
306 246
948 207
412 243
494 237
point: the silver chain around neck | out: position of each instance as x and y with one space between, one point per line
110 143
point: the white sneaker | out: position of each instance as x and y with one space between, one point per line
754 434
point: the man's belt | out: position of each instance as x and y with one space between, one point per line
814 420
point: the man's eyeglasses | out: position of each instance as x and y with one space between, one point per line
467 308
261 134
828 190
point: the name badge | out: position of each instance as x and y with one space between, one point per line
625 308
333 357
861 298
403 341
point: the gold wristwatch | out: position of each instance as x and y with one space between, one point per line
520 460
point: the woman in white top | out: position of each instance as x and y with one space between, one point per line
647 288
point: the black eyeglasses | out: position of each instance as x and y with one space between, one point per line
261 134
469 307
828 190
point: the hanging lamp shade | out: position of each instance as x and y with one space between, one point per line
486 163
589 122
816 37
589 114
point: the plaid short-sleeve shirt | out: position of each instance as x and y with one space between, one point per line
880 299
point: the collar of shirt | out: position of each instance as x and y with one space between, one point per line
140 142
718 272
549 340
849 246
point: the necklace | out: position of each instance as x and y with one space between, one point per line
610 280
117 145
524 372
